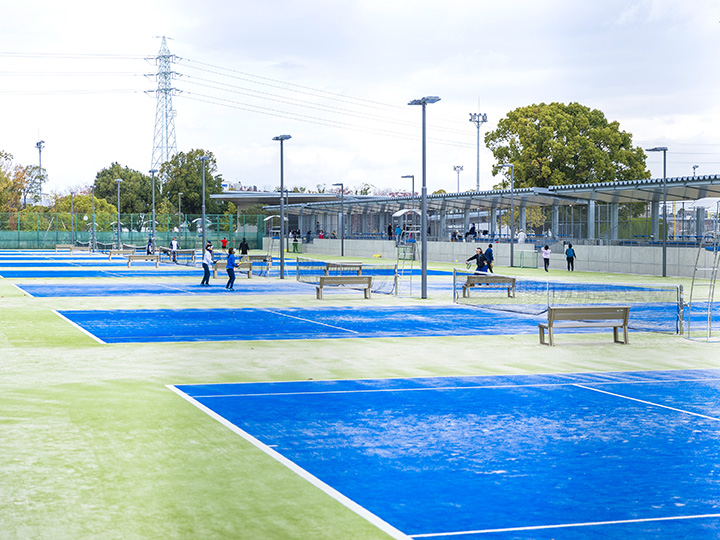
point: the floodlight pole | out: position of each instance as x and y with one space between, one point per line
423 205
180 194
458 169
153 171
664 150
72 218
282 138
512 209
478 119
204 236
118 180
94 242
341 223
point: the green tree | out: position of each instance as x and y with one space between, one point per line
135 191
183 174
556 144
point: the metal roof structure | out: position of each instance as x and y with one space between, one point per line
244 199
686 188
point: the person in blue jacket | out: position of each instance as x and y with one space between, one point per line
490 257
230 267
570 255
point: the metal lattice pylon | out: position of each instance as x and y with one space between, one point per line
164 142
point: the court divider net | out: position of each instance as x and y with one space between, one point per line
384 275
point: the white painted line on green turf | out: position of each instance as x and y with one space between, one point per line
22 291
342 499
78 327
564 526
311 321
649 403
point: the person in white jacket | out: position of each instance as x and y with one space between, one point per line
207 263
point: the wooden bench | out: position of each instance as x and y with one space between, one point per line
151 258
120 253
340 267
86 249
242 266
63 247
169 252
614 317
267 260
365 281
481 280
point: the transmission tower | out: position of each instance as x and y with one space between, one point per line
164 143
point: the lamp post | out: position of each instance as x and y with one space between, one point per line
341 222
512 209
412 196
40 145
478 119
282 138
664 150
695 167
93 244
423 204
180 194
72 218
153 171
458 169
118 180
204 237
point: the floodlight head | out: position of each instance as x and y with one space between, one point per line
338 184
505 165
425 100
153 171
282 137
408 176
180 193
204 158
118 180
657 149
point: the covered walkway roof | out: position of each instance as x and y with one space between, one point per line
686 188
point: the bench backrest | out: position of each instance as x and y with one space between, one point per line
583 313
350 280
477 278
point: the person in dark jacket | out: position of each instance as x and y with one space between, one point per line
570 256
244 247
480 260
490 257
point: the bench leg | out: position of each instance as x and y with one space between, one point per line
551 341
318 293
367 293
542 334
466 292
249 273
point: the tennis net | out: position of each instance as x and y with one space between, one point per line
384 275
653 307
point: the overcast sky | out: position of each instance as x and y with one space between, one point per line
337 76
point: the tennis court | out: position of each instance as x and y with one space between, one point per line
609 455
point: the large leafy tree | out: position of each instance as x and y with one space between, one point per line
555 144
183 174
135 191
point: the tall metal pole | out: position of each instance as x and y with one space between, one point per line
180 194
341 220
664 150
40 145
153 171
423 205
412 196
458 169
118 180
512 209
478 119
72 218
204 236
93 245
282 138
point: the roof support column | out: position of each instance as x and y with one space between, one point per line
614 220
591 209
654 220
555 223
699 222
493 221
523 218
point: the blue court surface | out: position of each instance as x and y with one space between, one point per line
166 325
581 456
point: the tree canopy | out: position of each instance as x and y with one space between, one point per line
183 174
555 144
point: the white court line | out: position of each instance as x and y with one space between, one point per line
649 403
342 499
564 526
311 321
22 290
78 327
426 389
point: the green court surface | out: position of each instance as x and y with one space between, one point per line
93 444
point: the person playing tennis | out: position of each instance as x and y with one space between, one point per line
481 261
